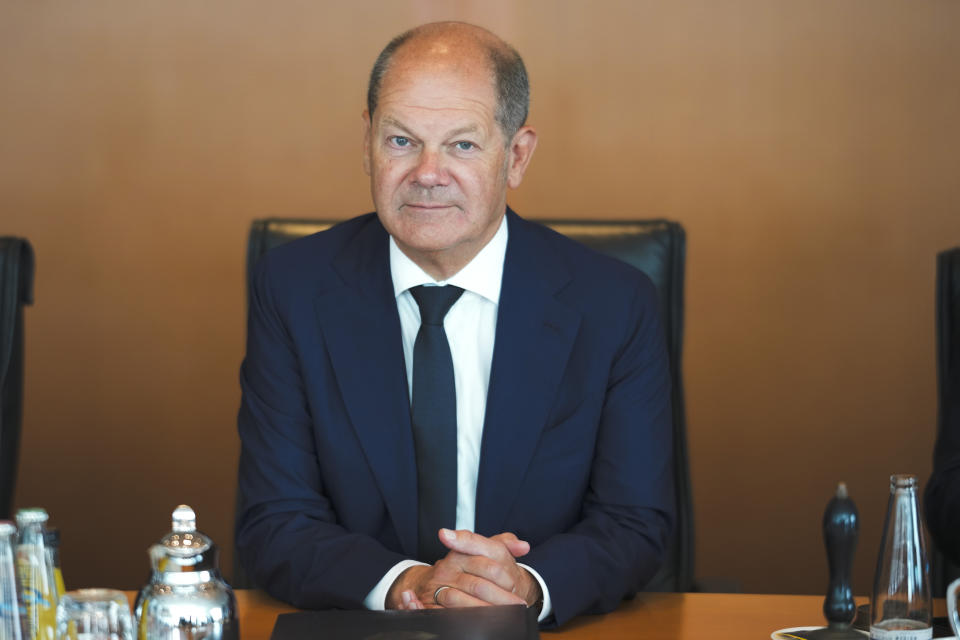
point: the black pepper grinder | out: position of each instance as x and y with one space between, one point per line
840 528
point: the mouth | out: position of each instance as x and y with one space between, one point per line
427 206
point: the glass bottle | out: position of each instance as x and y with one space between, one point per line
901 607
52 538
11 610
37 583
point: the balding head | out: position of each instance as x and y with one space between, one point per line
457 44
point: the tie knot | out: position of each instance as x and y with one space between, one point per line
434 302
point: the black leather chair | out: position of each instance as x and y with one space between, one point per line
948 367
16 290
656 247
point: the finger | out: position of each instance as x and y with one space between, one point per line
451 597
473 544
410 601
518 548
485 590
505 577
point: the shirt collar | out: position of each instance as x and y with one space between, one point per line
482 275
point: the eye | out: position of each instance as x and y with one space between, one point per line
399 141
463 145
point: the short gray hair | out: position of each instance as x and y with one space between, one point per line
510 80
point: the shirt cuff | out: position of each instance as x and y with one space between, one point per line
376 600
547 603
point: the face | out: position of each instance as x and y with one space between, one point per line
438 162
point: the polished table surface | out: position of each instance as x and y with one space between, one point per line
650 616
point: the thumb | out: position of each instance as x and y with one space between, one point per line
518 548
514 545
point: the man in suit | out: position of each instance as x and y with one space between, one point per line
516 449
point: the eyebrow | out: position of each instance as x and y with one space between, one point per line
390 122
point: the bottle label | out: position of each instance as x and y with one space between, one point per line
36 587
909 632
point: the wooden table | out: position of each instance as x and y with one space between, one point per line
650 616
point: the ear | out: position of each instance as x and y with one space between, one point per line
521 150
366 141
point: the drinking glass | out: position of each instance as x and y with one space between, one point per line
94 614
952 591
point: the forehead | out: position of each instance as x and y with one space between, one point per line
438 79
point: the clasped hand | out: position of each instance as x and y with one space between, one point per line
478 570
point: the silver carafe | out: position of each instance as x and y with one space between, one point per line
186 599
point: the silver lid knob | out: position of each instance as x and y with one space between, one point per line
184 540
184 519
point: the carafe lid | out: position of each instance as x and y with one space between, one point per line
184 540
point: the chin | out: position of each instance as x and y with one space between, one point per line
429 235
429 244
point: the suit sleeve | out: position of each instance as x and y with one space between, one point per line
287 533
622 536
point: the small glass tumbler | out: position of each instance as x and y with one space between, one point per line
94 614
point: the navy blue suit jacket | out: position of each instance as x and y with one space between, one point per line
576 448
942 496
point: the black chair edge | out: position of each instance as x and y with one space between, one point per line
16 291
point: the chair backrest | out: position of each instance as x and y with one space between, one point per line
948 319
948 364
16 290
656 247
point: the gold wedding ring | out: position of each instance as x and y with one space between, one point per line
436 594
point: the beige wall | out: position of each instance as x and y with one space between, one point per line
810 148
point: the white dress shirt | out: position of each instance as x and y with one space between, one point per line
470 325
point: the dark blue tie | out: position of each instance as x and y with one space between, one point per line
434 417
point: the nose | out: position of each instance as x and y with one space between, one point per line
430 171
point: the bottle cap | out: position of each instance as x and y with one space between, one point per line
903 481
32 515
7 528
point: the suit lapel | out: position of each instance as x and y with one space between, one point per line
535 333
362 330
